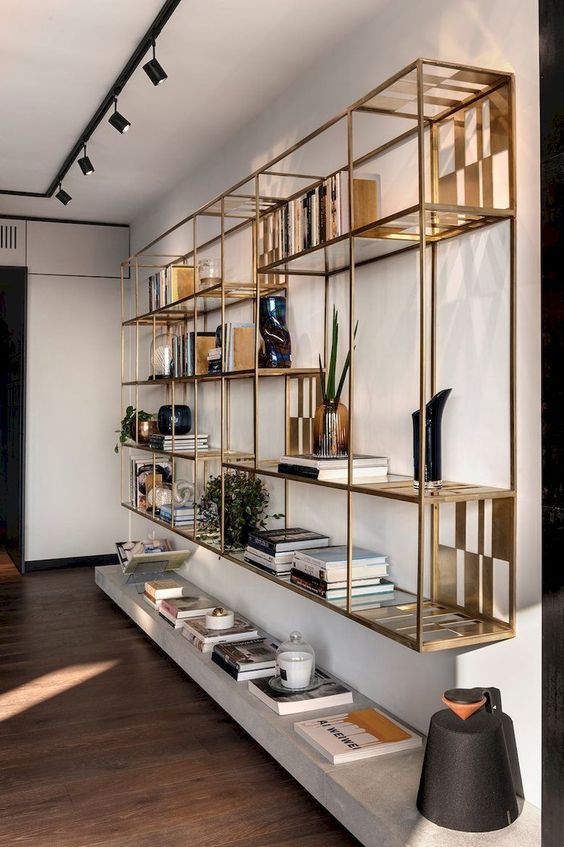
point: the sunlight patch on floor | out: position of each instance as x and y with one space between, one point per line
50 685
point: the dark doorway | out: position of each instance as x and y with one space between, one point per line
13 303
552 246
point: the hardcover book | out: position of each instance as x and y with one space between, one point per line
274 541
161 589
357 735
252 654
329 694
337 556
181 608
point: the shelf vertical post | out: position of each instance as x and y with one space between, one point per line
513 345
350 465
195 374
422 354
256 280
222 382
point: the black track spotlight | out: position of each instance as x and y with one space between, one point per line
154 69
85 164
118 121
62 196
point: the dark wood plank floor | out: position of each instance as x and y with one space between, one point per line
105 741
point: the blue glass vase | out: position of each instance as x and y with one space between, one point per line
276 351
182 420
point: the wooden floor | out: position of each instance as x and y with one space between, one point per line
105 741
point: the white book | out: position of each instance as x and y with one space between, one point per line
359 461
265 558
336 556
356 735
327 696
336 574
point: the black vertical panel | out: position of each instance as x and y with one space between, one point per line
552 216
13 303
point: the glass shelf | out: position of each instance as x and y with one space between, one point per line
394 486
385 237
212 454
242 374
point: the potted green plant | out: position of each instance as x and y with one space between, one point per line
127 430
331 421
246 501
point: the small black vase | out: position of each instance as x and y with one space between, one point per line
433 441
182 420
277 346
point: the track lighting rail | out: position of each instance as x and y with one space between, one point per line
107 103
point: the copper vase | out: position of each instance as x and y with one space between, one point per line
331 430
144 430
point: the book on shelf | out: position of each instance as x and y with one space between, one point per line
246 659
316 216
187 442
337 556
237 340
330 694
357 735
169 285
360 460
336 591
275 541
177 610
204 639
339 573
360 475
279 564
164 589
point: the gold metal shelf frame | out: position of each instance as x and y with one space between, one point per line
458 609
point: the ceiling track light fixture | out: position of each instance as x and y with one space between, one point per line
154 69
84 163
117 120
62 196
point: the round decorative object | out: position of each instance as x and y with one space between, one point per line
183 492
182 420
161 356
220 618
160 495
295 663
144 431
209 272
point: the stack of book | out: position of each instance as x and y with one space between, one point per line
177 610
365 468
246 659
189 353
162 589
317 216
273 549
182 443
323 571
204 639
183 515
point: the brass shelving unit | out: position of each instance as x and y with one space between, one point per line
454 599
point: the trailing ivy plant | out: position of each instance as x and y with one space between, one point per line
246 503
128 424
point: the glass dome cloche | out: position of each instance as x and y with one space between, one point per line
295 662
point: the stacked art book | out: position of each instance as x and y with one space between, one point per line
323 571
246 659
273 549
366 469
177 610
328 694
356 735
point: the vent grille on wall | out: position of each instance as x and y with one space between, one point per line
12 242
8 237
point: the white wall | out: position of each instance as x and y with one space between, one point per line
73 391
499 35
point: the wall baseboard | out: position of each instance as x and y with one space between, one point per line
71 562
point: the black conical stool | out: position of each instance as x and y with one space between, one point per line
470 778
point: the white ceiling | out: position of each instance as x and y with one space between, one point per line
226 59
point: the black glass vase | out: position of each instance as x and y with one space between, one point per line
433 441
276 351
